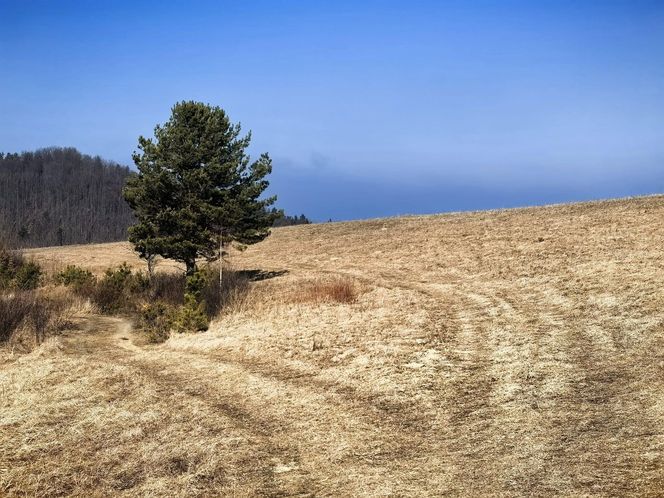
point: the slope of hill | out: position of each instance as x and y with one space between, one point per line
515 352
59 196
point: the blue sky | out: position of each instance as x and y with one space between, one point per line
367 108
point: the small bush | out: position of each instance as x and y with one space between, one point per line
10 261
191 316
163 302
75 276
119 290
13 310
138 283
25 310
195 284
186 311
167 288
118 277
18 273
156 321
27 276
107 297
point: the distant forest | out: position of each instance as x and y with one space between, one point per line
58 196
286 220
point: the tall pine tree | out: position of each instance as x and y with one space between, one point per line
196 187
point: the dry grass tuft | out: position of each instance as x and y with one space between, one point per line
336 289
27 318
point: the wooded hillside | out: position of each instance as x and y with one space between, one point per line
58 196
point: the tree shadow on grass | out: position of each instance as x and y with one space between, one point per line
235 285
258 275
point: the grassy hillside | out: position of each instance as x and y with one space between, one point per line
508 352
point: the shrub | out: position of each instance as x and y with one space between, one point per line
13 310
118 277
75 276
191 316
186 311
27 276
138 282
119 290
9 262
182 304
195 284
167 288
16 272
36 315
107 297
111 292
156 321
163 302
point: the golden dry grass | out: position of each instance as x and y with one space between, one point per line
94 257
511 352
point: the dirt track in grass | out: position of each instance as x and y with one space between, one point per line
514 352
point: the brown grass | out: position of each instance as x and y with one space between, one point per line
502 353
96 258
340 289
28 318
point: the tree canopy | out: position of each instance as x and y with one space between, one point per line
195 185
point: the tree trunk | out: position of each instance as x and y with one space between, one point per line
221 264
191 267
151 260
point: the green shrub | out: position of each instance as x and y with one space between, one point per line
167 288
16 272
107 297
27 276
75 276
162 303
118 277
195 285
191 316
112 292
183 311
156 321
138 282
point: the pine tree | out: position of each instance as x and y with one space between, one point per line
196 187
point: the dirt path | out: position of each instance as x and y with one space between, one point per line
339 439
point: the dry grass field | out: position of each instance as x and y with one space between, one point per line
516 352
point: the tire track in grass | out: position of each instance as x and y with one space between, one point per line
464 399
586 397
349 442
603 417
335 433
273 470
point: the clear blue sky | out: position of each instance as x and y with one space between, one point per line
367 108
